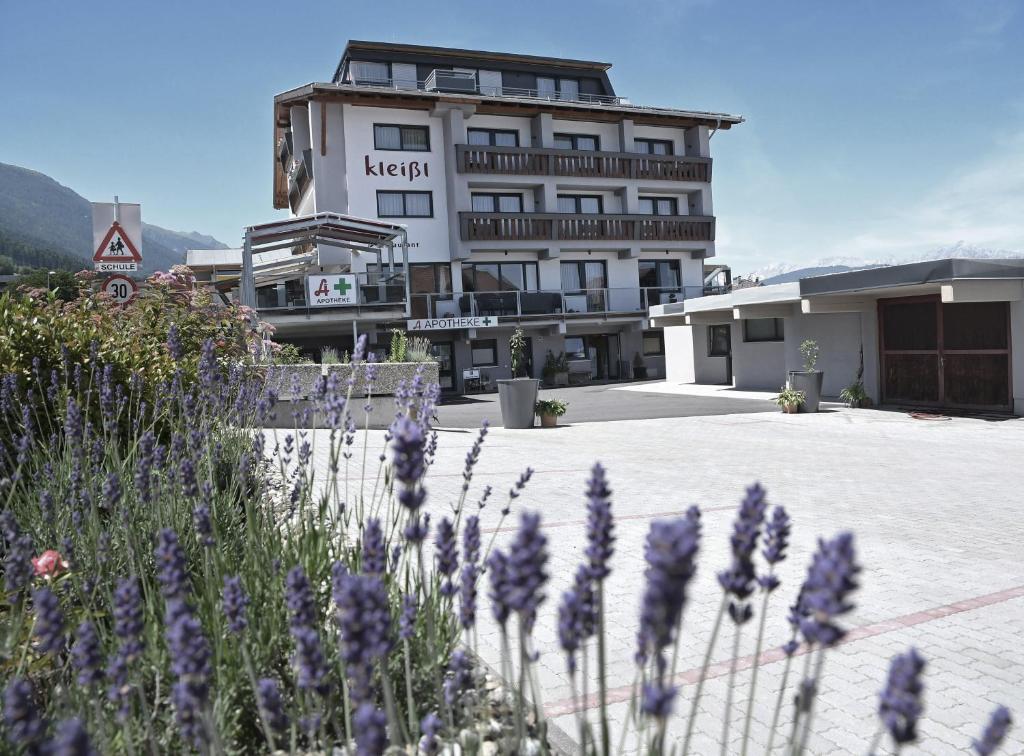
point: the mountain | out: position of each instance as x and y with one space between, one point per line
781 273
43 223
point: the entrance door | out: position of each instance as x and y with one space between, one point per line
597 352
444 353
945 355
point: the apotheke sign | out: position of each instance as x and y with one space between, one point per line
439 324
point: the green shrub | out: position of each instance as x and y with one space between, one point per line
554 407
399 346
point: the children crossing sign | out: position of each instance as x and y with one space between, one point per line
116 234
327 290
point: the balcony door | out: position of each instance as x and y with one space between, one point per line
945 355
584 284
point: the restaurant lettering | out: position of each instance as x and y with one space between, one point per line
413 168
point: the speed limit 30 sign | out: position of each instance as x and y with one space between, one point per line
120 288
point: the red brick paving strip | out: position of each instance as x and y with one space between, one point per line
691 676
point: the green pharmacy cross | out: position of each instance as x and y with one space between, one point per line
343 286
486 321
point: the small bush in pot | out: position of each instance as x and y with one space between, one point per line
790 399
808 380
550 410
855 396
517 395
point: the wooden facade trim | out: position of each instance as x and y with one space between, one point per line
584 227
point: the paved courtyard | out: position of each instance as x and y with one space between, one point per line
936 507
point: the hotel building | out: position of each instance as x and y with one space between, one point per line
532 195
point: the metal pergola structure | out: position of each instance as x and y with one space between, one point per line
360 235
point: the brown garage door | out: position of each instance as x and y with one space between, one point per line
945 355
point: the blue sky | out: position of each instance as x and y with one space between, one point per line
874 129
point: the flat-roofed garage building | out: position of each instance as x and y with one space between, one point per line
937 334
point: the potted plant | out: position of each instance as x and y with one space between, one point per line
809 379
556 369
855 396
790 400
549 411
517 395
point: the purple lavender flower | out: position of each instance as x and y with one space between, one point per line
18 563
430 726
577 615
71 739
407 620
190 664
831 578
171 568
776 541
128 623
371 735
309 661
473 456
86 655
144 467
235 602
417 529
994 732
111 491
374 552
900 702
520 484
459 678
738 581
447 556
600 539
299 598
21 715
467 596
671 553
268 698
364 619
174 347
498 569
657 699
119 690
526 576
203 524
471 540
48 629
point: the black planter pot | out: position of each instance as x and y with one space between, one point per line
810 383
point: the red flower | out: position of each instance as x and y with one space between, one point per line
49 564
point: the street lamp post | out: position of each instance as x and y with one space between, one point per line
48 274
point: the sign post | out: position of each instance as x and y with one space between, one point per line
117 236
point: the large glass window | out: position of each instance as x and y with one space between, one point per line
719 340
659 273
654 343
392 137
497 203
484 352
585 142
579 203
405 205
363 72
658 206
583 274
493 137
565 89
653 146
568 89
515 276
546 86
763 329
575 349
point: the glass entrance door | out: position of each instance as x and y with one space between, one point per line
444 353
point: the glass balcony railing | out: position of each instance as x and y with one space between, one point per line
546 303
289 297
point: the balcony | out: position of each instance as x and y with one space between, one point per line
535 161
543 305
299 176
503 227
375 297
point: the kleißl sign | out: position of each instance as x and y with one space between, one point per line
327 290
438 324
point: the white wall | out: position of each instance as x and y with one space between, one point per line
758 365
839 339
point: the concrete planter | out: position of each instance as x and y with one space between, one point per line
810 383
518 397
386 375
294 382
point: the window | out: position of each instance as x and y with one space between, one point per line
391 137
585 142
659 273
546 86
558 89
484 352
654 343
362 72
497 203
568 89
582 274
478 277
493 137
658 206
653 146
579 203
763 329
719 340
575 349
405 205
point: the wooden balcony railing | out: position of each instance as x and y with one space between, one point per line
584 227
534 161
